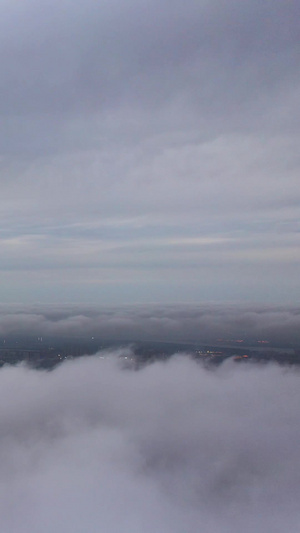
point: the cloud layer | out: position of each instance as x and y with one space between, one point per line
205 323
149 151
170 448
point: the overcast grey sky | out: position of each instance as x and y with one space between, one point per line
149 151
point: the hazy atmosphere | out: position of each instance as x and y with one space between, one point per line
149 266
149 151
166 323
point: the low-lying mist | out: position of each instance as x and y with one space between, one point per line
172 448
192 323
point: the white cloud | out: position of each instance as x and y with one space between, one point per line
89 446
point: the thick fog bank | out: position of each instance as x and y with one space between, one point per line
156 322
173 448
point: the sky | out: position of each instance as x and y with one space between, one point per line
149 190
149 151
92 447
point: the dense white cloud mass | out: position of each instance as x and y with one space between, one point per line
149 151
171 448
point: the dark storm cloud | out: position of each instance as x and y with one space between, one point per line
168 449
171 323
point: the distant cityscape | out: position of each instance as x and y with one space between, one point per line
48 352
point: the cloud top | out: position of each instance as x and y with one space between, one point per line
89 446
